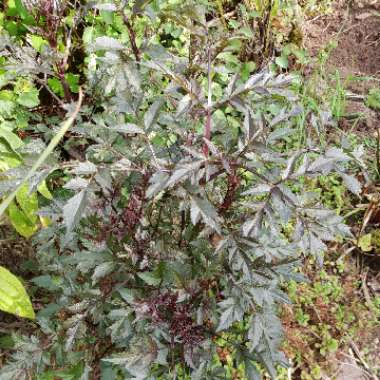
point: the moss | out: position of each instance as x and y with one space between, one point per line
375 240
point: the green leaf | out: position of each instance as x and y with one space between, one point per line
28 203
23 215
365 243
13 296
29 99
282 62
73 81
44 190
22 224
11 138
37 42
373 99
56 86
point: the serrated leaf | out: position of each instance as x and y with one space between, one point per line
29 99
158 182
207 210
279 134
251 371
255 331
183 171
84 168
183 104
138 359
73 209
151 115
282 62
13 296
103 270
262 188
150 278
232 313
253 80
128 128
352 183
77 183
108 43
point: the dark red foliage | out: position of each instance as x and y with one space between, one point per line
166 311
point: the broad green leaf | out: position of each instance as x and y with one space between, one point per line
29 99
43 190
13 296
22 224
37 42
73 82
282 61
56 86
28 203
11 138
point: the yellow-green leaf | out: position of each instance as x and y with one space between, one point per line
365 243
28 203
43 190
22 224
13 296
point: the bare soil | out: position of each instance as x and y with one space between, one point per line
355 28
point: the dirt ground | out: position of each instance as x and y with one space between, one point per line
355 27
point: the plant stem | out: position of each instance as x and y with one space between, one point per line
132 37
207 130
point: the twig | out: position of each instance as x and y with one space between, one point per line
43 83
362 361
367 296
132 37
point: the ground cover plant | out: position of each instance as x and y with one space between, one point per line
168 181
